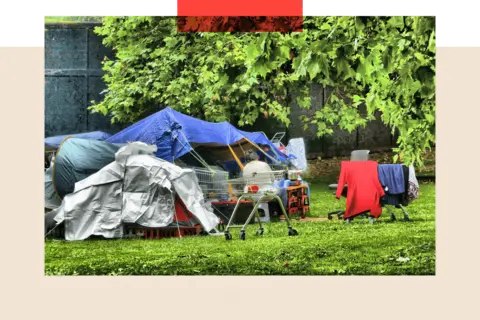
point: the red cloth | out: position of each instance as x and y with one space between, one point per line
364 188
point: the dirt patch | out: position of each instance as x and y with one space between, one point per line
306 219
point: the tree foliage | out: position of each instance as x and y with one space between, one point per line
369 64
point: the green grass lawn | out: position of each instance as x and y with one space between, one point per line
322 248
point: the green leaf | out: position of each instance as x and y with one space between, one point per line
343 67
323 64
261 42
252 51
396 22
284 52
300 63
420 58
430 118
359 24
325 26
304 102
313 68
431 42
261 68
244 88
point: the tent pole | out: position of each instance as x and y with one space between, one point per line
266 154
236 158
274 150
195 154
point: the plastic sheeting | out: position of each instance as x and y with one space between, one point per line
51 199
136 188
174 133
296 147
79 158
54 142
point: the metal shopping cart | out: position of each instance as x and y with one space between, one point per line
212 182
258 188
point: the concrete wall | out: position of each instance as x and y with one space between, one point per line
73 56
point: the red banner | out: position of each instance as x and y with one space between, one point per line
240 24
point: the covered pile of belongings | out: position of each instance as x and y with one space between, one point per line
136 188
75 159
52 144
81 162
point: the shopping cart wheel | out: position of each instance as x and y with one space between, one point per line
259 232
242 235
292 232
228 236
393 218
407 219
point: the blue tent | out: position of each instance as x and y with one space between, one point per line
175 134
54 142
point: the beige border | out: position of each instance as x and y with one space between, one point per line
27 294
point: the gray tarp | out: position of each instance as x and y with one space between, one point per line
296 147
136 188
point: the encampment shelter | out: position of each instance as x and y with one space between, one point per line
176 135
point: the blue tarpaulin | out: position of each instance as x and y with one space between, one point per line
55 142
176 134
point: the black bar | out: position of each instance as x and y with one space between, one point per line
459 24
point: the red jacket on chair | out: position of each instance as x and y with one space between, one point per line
364 188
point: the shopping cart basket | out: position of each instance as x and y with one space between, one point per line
258 188
212 182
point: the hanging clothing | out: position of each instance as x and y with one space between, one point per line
391 199
413 186
364 189
404 196
392 177
411 175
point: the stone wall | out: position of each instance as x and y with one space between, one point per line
73 57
